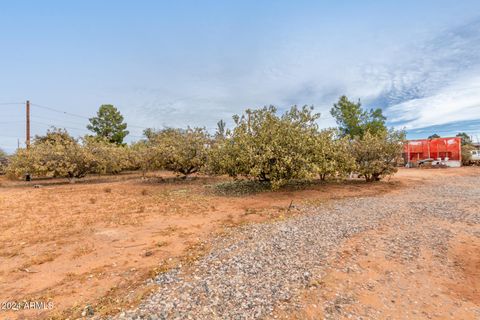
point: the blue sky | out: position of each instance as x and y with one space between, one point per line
179 63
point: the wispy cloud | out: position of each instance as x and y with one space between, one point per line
419 84
439 83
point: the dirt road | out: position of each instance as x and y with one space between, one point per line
411 254
97 241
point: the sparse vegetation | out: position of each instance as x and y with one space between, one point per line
263 146
376 156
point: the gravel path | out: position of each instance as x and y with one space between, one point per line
264 267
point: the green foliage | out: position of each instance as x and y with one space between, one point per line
56 154
377 155
182 151
266 147
109 124
276 150
434 136
221 130
466 140
150 133
20 164
332 155
107 157
3 162
353 121
144 155
54 135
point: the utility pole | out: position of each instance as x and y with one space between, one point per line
28 177
28 123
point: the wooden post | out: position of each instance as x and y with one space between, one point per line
28 124
28 177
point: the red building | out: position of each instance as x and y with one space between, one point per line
444 150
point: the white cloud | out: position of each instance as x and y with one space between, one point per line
420 84
459 101
435 82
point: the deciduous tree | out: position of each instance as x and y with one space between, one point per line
179 150
56 154
266 147
466 139
332 155
377 155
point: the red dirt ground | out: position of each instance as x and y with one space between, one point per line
97 242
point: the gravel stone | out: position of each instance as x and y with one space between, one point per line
265 266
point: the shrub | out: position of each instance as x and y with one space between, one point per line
182 151
3 162
332 155
266 147
467 154
143 155
107 157
20 164
56 154
376 156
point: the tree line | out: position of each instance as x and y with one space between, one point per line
263 145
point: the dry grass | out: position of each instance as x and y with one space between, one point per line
87 242
40 259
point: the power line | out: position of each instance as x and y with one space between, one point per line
51 125
17 117
3 136
59 111
76 115
7 122
73 128
11 103
84 130
60 120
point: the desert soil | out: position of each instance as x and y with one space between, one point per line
96 242
409 254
